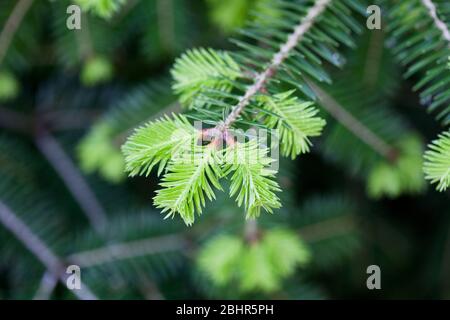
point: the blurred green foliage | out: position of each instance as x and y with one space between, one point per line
9 86
258 266
69 100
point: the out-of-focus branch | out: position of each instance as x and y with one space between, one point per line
39 249
251 232
46 287
16 121
122 251
61 120
57 120
12 24
437 21
72 178
353 124
327 229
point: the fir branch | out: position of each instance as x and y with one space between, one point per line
12 24
284 52
189 181
251 231
156 143
39 249
128 250
72 178
296 122
66 120
47 285
201 69
438 22
14 120
327 229
353 124
437 164
251 181
420 41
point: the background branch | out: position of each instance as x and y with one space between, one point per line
16 121
121 251
11 26
353 124
47 285
39 249
72 178
261 79
438 22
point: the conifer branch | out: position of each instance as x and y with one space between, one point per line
251 232
14 120
11 26
327 229
39 249
438 22
72 178
437 162
46 286
262 78
353 124
128 250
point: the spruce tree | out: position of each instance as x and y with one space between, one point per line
103 164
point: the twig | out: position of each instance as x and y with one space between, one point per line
353 124
39 249
262 78
46 287
438 22
251 232
13 120
326 229
122 251
72 178
12 24
61 120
